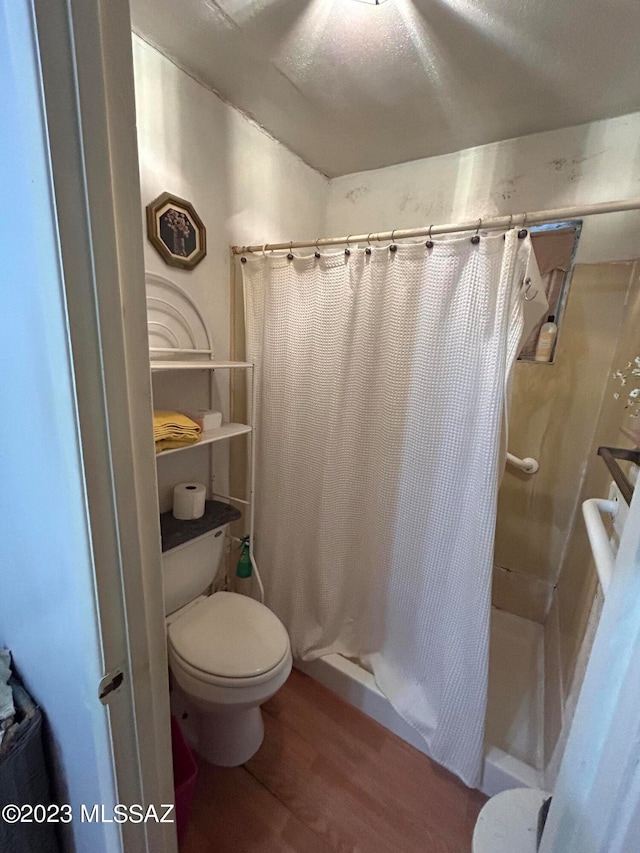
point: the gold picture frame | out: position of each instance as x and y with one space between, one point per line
176 231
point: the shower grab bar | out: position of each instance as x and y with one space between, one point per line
528 465
603 555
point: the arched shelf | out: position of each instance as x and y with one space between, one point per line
178 335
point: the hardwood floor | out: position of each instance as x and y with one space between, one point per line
328 778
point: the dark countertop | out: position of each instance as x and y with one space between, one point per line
175 531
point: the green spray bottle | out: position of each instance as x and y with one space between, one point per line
244 569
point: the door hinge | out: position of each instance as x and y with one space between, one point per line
109 684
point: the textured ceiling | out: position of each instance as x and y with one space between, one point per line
351 86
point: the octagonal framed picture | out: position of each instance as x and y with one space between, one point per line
176 231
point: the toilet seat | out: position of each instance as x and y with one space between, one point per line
229 640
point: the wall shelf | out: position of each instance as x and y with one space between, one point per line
209 436
185 364
175 532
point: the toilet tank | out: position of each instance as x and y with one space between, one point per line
188 569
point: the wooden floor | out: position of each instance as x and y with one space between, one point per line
328 778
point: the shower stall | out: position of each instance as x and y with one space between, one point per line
529 681
530 698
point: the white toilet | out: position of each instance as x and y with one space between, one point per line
227 653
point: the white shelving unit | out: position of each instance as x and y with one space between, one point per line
177 326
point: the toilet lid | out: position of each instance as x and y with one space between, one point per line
229 635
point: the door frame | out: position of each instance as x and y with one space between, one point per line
88 90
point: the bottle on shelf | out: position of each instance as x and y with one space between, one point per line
546 339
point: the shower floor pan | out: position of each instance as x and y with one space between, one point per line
513 743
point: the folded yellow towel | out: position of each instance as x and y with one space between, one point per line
174 427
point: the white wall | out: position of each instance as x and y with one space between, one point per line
595 162
47 603
246 187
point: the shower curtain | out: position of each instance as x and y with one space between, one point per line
381 387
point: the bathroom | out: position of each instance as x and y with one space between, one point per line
259 168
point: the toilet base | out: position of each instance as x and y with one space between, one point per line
221 738
230 739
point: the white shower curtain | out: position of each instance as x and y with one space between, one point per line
380 401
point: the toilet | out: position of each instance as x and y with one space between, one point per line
227 653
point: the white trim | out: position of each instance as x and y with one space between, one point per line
85 46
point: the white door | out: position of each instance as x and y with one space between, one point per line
80 586
596 804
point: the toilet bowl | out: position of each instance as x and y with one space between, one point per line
228 654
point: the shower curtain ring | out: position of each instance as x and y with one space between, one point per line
429 243
527 288
476 237
393 247
504 236
264 250
317 252
522 233
347 251
290 255
368 249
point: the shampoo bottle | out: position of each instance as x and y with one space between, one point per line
546 340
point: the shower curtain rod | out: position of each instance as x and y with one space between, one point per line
490 223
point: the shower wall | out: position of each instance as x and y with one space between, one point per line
560 414
554 411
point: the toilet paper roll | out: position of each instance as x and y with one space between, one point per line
188 500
